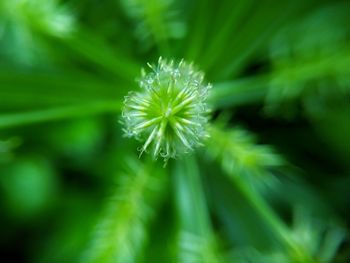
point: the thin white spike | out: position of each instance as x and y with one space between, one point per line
146 124
149 140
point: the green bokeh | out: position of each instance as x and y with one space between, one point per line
270 184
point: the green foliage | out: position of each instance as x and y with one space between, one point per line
270 183
307 64
122 231
156 21
239 154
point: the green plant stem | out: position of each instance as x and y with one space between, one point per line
98 52
196 238
198 32
280 230
257 31
239 92
235 11
295 72
8 120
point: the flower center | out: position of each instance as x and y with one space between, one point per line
167 112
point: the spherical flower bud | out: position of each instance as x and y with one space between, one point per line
169 114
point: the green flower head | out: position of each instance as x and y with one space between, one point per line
169 114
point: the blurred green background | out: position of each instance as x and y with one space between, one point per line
271 184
